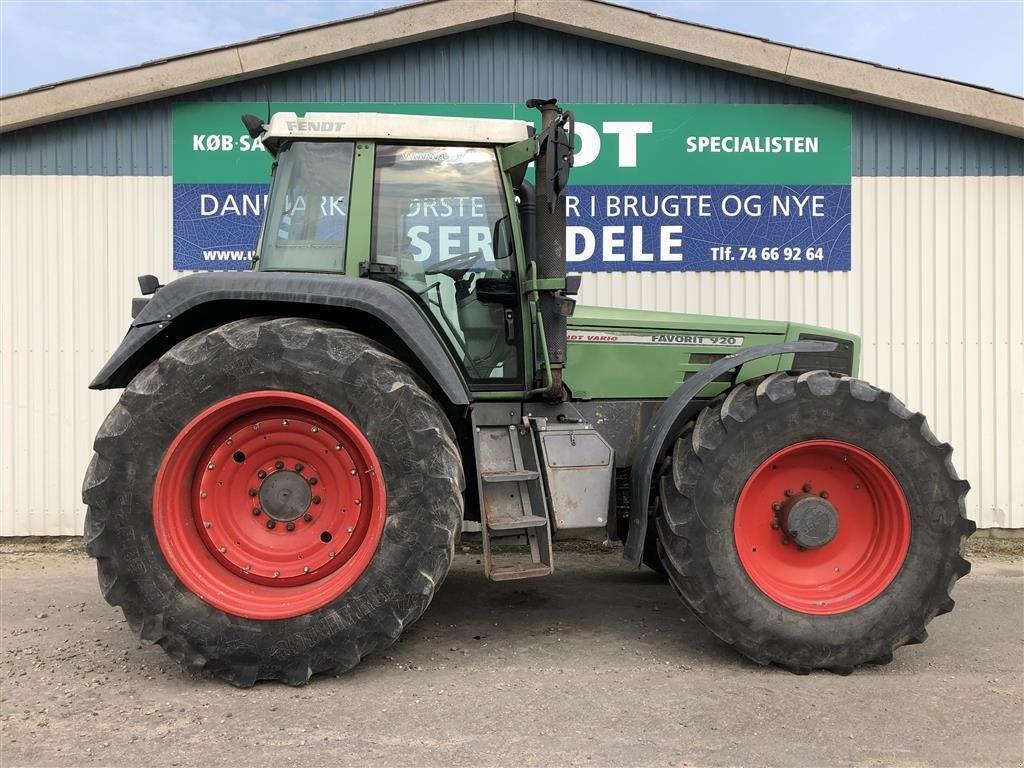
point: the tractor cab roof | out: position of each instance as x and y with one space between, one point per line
372 125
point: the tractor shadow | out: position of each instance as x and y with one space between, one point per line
595 609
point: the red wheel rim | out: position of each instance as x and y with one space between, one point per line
269 505
870 540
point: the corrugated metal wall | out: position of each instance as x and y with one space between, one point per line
935 290
507 63
70 248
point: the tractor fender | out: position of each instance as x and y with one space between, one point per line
672 417
197 302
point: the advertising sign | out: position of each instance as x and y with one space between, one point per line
655 187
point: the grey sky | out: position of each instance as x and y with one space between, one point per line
43 41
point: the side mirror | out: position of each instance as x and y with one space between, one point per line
149 284
497 290
564 141
502 235
253 125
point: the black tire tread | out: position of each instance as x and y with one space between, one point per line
104 492
678 519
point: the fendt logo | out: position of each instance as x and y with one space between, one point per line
314 126
626 133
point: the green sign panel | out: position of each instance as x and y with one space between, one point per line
655 187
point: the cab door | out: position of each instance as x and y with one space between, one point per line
441 230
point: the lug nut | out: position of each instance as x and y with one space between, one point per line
332 553
775 525
279 464
253 491
315 429
313 481
305 569
352 471
290 526
788 493
824 494
247 567
203 495
299 467
307 517
777 507
785 540
256 511
276 574
271 523
261 474
210 465
222 550
807 487
207 524
315 500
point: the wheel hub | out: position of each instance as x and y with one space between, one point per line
809 520
285 496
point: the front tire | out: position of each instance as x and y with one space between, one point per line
814 522
272 499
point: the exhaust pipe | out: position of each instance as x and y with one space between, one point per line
554 307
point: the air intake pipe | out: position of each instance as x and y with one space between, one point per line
555 144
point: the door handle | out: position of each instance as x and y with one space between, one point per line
510 326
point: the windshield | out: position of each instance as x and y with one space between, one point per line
306 224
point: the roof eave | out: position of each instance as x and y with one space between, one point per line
825 73
155 80
816 71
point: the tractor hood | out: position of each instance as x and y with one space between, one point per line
625 353
605 317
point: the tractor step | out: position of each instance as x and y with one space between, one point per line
511 523
515 524
509 476
519 571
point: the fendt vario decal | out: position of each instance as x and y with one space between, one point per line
684 340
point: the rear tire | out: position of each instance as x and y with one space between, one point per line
315 393
842 601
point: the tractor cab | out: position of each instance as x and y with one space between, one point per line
432 212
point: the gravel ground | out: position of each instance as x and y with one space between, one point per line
597 665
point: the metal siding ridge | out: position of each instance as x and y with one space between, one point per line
624 27
504 64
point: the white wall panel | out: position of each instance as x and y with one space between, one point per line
936 290
70 249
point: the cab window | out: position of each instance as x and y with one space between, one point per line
306 225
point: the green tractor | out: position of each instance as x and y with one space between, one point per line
280 488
